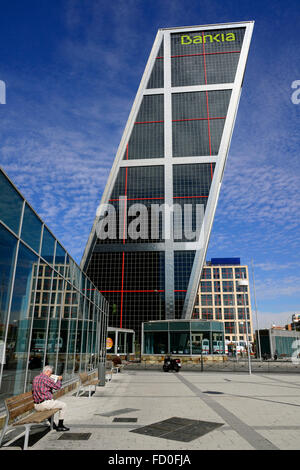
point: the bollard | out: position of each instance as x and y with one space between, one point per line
101 374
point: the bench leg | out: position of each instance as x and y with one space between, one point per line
51 422
78 391
3 432
89 391
26 437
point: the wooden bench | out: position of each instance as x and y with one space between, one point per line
117 367
16 407
87 380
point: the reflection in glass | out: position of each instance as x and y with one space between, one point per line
129 343
11 204
53 342
180 343
48 246
71 348
37 349
60 259
31 229
156 342
8 245
20 319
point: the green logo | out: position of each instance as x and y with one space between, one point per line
220 37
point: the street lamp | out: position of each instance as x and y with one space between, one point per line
244 282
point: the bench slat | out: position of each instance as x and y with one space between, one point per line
17 402
18 398
20 410
37 417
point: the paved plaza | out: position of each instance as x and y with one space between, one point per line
243 412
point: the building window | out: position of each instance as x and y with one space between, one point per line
227 286
240 273
229 313
206 273
206 286
216 273
206 299
207 314
218 313
243 329
198 121
228 299
217 286
241 299
242 314
227 273
229 327
218 300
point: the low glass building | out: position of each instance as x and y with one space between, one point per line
283 343
50 312
184 337
120 341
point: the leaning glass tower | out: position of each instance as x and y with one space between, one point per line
166 178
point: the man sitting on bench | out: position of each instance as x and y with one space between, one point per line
42 392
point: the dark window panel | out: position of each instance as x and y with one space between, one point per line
31 229
10 204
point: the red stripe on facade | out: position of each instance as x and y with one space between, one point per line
205 53
199 119
181 120
154 198
137 291
139 199
131 291
187 197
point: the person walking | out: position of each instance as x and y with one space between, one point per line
42 392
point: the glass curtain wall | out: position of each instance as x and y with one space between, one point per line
50 312
184 337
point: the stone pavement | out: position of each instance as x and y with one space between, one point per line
258 411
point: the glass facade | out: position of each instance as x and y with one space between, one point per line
183 337
50 312
166 177
120 341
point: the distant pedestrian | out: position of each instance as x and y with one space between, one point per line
42 391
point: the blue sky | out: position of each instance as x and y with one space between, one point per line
72 69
